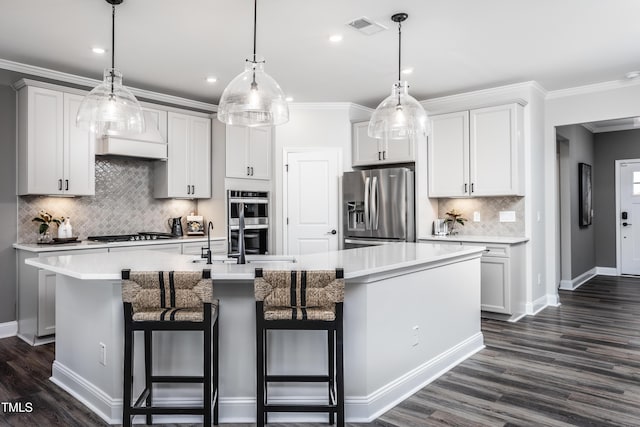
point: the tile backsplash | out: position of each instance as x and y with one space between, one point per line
489 209
123 204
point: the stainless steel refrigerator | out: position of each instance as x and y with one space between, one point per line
378 207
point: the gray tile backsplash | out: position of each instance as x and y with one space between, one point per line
489 209
123 204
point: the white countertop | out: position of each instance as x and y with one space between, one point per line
86 244
356 262
508 240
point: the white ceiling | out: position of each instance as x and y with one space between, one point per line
454 46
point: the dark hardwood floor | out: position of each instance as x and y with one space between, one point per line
577 364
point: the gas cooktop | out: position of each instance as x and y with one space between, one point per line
143 235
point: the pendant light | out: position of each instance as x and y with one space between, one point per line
253 98
110 108
399 116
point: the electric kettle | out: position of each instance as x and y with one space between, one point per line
176 226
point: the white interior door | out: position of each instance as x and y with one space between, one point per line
629 220
312 202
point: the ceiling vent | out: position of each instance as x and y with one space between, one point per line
366 26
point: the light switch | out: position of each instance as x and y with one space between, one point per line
507 216
476 216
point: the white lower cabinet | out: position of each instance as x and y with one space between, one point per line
502 280
172 248
46 303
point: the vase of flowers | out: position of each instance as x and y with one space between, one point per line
454 217
45 219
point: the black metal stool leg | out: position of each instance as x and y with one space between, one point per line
207 376
216 357
331 359
260 338
340 368
148 371
128 375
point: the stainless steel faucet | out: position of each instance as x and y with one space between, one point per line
241 248
208 252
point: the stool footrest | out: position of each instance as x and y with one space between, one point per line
297 378
176 379
142 398
300 408
167 410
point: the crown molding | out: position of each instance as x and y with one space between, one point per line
85 81
594 88
485 97
589 127
327 106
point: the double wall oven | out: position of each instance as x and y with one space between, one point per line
255 206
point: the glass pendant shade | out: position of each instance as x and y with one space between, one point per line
399 116
110 108
253 99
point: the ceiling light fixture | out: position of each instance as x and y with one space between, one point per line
336 38
253 98
211 79
110 108
289 99
407 71
399 115
98 50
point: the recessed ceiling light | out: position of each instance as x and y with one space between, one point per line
632 75
211 79
98 50
407 71
336 38
289 99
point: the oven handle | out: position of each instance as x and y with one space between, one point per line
250 227
246 201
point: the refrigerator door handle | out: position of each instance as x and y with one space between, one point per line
366 204
374 203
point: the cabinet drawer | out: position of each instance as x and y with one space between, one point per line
492 249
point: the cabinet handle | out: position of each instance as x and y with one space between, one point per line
251 170
472 187
465 188
384 155
188 189
66 184
248 171
379 156
193 189
60 184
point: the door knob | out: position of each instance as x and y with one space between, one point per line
332 232
625 224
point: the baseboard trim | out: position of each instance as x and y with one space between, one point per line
242 409
8 329
576 282
606 271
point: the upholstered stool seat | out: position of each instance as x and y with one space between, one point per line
300 300
169 301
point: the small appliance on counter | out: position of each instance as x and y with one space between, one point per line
440 227
176 226
195 225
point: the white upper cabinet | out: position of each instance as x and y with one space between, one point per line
477 153
54 156
187 171
248 152
372 151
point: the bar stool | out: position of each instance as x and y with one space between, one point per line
169 301
300 300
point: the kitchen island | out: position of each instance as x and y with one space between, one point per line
411 312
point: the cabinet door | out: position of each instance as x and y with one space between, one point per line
448 155
398 150
79 152
365 150
177 163
200 157
46 303
259 152
237 143
495 292
495 150
43 146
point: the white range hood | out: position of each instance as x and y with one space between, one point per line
151 144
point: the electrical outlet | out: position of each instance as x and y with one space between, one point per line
476 216
415 334
103 354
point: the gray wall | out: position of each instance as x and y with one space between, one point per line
609 147
583 239
8 205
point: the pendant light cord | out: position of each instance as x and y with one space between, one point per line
399 48
113 45
255 24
